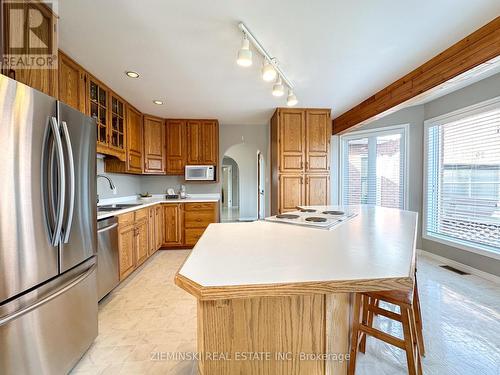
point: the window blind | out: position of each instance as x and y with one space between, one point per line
463 180
374 169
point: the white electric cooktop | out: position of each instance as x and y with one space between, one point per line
313 217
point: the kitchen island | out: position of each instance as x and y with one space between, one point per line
275 298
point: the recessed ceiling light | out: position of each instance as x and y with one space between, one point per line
159 102
132 74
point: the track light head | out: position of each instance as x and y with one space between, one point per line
244 54
291 100
268 72
278 88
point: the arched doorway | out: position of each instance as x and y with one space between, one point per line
230 210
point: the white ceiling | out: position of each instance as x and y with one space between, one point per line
336 52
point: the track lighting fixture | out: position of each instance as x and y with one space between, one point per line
270 69
244 54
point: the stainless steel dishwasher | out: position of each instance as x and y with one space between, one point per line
107 256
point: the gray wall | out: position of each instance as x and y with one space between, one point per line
415 116
126 185
253 137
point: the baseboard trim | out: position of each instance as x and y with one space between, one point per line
460 266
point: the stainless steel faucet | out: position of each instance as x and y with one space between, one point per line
111 184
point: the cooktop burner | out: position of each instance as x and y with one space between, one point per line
307 210
316 219
287 216
333 212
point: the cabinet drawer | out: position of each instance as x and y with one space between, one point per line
126 219
141 214
191 236
199 219
199 206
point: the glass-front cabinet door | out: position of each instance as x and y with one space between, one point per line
117 129
98 108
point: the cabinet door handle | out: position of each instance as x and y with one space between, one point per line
301 165
301 180
307 165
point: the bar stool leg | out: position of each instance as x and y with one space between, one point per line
418 319
355 333
367 319
408 339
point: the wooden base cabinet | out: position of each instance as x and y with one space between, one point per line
300 158
126 246
133 241
170 225
197 217
173 225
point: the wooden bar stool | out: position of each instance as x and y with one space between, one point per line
369 314
366 305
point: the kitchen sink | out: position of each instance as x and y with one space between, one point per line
114 207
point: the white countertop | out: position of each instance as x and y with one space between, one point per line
155 199
379 243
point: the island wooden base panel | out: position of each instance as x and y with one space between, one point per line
272 335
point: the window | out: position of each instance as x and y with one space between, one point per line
373 167
462 188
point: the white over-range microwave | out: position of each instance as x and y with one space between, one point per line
199 173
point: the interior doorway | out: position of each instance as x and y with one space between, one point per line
261 183
230 190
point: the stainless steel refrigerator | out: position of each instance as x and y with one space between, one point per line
48 295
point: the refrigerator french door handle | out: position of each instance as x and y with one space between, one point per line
69 148
61 180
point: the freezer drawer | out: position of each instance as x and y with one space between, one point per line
50 335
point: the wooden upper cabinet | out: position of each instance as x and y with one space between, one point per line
291 140
291 192
98 107
154 145
16 27
317 190
202 142
193 141
209 142
175 146
72 78
134 140
318 133
173 224
116 124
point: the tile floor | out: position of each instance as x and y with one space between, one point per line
230 214
149 314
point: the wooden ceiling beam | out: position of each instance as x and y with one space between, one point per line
476 49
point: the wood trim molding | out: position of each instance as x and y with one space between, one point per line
476 49
203 293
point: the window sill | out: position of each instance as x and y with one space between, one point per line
462 246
